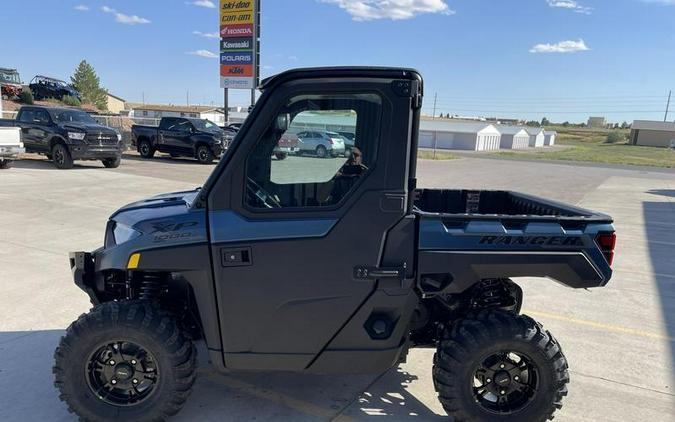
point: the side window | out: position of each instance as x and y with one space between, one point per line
292 167
41 116
27 116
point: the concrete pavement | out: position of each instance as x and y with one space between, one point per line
619 339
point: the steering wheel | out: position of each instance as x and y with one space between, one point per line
257 193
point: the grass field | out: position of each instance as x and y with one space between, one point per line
423 154
590 145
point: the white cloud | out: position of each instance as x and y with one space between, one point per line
82 8
203 53
125 19
203 3
570 5
561 47
366 10
207 34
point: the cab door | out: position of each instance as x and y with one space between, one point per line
290 239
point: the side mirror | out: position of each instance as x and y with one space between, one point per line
282 122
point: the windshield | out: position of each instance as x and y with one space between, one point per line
205 125
11 77
72 116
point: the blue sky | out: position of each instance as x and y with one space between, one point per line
562 59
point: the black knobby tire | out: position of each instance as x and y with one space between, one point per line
204 155
145 149
461 373
165 366
280 155
112 163
321 151
61 157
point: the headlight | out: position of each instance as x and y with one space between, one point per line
124 233
119 137
78 136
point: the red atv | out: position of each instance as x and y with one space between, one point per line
10 81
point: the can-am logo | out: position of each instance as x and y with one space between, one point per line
532 240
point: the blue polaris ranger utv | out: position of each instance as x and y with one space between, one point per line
328 265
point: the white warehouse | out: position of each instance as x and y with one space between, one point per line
471 136
537 136
549 138
514 137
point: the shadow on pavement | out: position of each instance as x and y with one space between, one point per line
165 159
28 393
45 164
659 220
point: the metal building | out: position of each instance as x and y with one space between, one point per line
513 137
549 137
471 136
653 134
537 136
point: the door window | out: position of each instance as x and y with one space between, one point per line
303 162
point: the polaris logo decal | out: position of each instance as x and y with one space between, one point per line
532 240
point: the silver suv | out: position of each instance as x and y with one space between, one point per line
323 144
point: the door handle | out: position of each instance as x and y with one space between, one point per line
375 273
235 257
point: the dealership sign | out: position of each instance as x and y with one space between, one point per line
238 44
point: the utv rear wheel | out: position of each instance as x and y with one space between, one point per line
62 158
500 367
124 361
145 149
205 155
112 163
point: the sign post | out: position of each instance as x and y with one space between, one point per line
239 39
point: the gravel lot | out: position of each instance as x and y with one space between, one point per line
619 340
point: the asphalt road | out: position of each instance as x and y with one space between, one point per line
619 340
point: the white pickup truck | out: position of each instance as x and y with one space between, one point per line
10 145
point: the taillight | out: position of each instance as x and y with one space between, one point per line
607 243
330 141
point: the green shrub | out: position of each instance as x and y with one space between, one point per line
26 96
71 101
615 137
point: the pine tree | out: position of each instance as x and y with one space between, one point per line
87 82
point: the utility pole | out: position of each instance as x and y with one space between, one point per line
143 94
187 97
665 118
226 107
433 116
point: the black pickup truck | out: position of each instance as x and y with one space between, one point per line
181 137
328 266
67 134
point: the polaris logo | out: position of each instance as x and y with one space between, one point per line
532 240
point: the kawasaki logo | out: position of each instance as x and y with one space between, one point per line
532 240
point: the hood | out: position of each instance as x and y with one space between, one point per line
157 205
87 127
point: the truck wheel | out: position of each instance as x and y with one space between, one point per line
5 164
61 157
500 367
321 151
205 155
280 155
112 163
145 149
124 361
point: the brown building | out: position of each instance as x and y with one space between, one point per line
653 133
115 104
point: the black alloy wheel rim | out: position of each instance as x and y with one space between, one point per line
203 154
505 382
59 156
144 148
122 373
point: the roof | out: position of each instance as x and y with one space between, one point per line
116 97
457 127
170 107
534 131
341 71
654 125
511 130
8 69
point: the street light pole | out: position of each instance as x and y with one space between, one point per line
665 118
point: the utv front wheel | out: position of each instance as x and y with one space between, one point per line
124 361
500 367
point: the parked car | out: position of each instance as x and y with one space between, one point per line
67 134
350 141
270 279
10 82
323 144
45 87
181 137
10 145
288 144
235 126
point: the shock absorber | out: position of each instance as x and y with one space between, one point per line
150 286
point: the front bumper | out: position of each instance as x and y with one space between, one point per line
91 152
287 150
83 266
10 152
